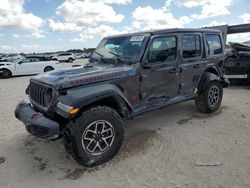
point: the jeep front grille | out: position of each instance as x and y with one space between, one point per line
40 94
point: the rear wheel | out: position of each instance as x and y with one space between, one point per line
6 73
47 69
95 136
210 100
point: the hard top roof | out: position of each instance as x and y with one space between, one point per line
167 31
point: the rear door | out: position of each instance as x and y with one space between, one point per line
215 50
160 72
193 63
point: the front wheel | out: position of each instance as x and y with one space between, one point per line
95 136
210 100
5 74
70 60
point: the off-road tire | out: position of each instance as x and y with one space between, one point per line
6 74
202 102
73 135
49 68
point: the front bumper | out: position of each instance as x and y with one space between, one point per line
36 123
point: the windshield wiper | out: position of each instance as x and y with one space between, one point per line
99 60
118 57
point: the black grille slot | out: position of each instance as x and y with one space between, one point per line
37 93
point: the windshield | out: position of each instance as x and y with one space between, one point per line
126 48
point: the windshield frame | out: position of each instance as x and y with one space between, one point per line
136 58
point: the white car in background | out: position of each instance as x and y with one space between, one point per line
66 56
27 66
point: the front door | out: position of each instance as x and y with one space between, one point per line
160 72
26 66
193 64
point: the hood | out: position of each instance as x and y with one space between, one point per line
84 75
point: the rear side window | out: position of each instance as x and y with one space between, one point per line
191 45
214 44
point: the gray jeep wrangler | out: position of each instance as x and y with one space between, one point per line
127 75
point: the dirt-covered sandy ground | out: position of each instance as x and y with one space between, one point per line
173 147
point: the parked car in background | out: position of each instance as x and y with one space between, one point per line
87 54
237 63
68 57
27 66
78 55
10 57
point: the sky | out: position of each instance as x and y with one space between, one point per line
52 25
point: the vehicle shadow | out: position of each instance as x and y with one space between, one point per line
49 157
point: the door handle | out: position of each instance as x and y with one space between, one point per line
174 70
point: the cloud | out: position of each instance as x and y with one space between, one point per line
124 2
245 17
191 3
5 48
150 18
96 32
214 23
242 37
37 34
63 27
1 36
16 36
78 14
12 14
30 48
82 38
209 8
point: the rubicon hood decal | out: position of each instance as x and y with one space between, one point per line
66 78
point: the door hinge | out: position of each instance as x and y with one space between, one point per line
140 79
140 96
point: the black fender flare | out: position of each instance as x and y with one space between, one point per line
81 97
207 78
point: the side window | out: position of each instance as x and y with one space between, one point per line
35 59
27 60
191 46
214 44
163 49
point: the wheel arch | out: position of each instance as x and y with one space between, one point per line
48 66
100 95
112 101
4 68
213 70
206 78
